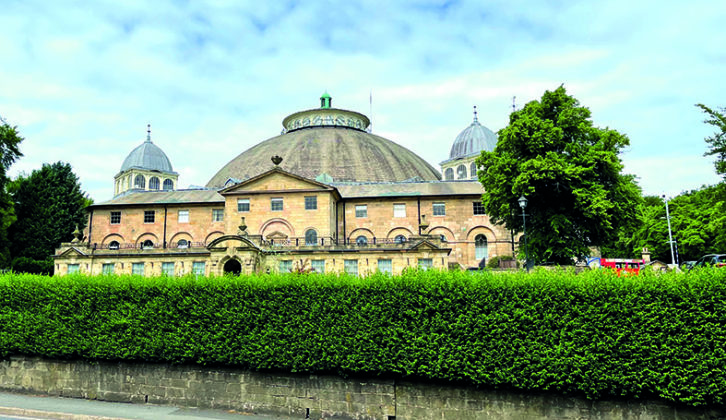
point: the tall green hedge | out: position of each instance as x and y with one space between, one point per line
592 334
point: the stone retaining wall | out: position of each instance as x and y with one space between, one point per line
309 396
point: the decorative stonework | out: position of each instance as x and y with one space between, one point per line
325 117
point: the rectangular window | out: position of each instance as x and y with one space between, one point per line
198 268
218 215
439 209
425 263
399 210
73 268
108 268
311 203
361 210
276 204
137 268
183 216
385 266
351 267
318 266
115 217
285 266
167 268
149 216
243 204
478 208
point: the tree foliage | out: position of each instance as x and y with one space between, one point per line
698 224
569 171
9 151
49 205
716 142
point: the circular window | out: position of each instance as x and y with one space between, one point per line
361 240
183 243
400 239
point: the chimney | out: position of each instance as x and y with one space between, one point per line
646 256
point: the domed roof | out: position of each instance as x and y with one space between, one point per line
473 140
329 143
147 156
344 154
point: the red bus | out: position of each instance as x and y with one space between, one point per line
623 266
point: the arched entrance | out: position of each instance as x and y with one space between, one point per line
232 267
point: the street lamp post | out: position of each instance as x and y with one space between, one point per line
670 235
523 204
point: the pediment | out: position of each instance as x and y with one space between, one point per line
71 252
231 240
276 180
423 245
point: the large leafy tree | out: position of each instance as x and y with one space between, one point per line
716 142
9 152
49 205
569 171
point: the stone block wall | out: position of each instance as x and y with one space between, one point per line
312 396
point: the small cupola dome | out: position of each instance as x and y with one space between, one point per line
472 140
147 156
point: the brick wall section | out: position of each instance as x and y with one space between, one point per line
320 396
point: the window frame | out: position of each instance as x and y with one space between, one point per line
186 216
361 211
311 202
73 268
425 263
275 201
195 268
165 266
441 205
388 270
135 266
311 237
108 268
115 217
320 266
215 213
478 208
285 266
241 203
399 210
361 240
348 264
149 215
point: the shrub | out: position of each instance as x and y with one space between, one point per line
592 334
29 265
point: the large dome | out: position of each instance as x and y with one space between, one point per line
329 141
473 140
147 156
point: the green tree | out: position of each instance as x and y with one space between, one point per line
716 142
569 171
9 152
49 205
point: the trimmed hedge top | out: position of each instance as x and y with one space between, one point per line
592 334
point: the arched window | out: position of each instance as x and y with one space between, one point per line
113 245
153 183
472 170
361 240
183 243
399 239
139 182
168 184
461 172
148 244
311 237
480 245
449 174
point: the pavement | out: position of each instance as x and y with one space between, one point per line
25 407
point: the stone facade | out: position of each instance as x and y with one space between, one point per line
312 396
280 221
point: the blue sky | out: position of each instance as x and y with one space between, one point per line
82 79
